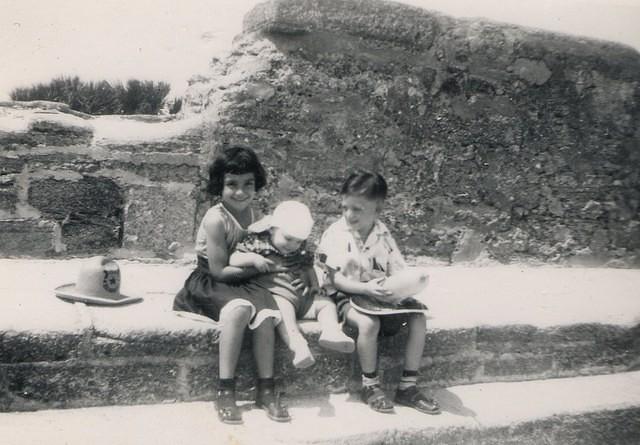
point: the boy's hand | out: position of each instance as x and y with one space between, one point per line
301 287
374 288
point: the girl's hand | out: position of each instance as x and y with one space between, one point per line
263 264
374 288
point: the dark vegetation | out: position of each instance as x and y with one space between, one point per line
102 97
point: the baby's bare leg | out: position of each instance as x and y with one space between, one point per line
291 335
331 336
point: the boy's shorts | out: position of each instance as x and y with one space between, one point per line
390 325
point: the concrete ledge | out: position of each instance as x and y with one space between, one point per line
583 410
535 324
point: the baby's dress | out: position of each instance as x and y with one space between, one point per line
203 295
299 265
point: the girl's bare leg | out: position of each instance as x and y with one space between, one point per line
263 348
232 326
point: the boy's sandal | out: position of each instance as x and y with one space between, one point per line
228 411
271 401
412 397
376 399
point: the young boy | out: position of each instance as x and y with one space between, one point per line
276 245
362 249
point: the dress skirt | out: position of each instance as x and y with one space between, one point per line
203 295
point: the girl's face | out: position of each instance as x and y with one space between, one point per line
283 242
360 213
238 191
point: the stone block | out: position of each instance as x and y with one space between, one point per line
518 366
450 370
74 384
515 338
19 347
90 210
169 344
158 216
20 237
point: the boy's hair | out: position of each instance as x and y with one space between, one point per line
365 183
236 160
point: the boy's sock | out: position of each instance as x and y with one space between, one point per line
408 379
370 378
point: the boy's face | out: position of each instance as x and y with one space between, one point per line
283 242
360 212
238 191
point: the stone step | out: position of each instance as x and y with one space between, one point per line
486 324
569 411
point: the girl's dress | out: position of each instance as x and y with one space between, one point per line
203 295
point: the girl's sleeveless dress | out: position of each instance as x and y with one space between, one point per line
203 295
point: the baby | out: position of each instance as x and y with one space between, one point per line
276 245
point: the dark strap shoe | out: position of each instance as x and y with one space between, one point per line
376 399
271 401
228 411
413 398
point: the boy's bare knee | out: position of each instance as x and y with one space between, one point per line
368 326
418 320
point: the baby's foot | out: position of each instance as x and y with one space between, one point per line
336 340
302 356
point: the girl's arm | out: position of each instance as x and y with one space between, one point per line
250 259
219 257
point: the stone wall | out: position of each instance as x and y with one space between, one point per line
72 184
498 142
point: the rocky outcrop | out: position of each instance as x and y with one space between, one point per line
498 142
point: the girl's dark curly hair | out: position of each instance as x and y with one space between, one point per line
365 183
236 160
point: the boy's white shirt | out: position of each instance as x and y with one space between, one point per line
355 257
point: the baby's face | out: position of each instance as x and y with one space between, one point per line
283 242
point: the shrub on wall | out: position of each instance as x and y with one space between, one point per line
101 97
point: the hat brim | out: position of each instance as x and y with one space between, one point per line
68 292
371 306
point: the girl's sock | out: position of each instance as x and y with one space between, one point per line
408 379
370 378
227 383
266 383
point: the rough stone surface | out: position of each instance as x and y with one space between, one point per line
499 323
96 176
20 237
497 142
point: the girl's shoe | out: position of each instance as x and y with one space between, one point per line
271 401
228 411
413 398
376 399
